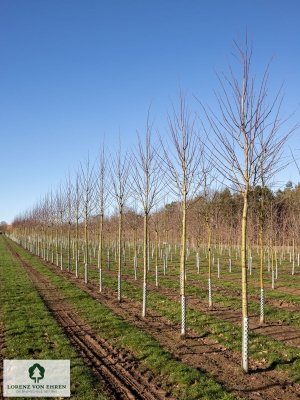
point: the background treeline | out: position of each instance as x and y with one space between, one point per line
281 219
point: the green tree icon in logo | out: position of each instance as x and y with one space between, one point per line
36 372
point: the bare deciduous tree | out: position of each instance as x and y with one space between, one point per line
120 172
182 158
247 143
102 199
78 192
60 218
87 181
146 179
69 199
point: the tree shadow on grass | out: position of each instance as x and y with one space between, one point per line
274 365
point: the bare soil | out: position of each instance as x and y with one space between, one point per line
120 373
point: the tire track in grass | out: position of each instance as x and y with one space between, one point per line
29 331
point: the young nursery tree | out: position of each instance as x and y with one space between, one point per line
50 222
87 182
77 198
69 196
209 237
120 173
102 203
60 216
146 185
247 142
182 158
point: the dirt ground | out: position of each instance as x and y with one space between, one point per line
120 373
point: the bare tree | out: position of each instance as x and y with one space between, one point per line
182 158
48 223
102 199
146 179
43 219
51 206
209 235
78 192
60 218
120 171
69 199
87 181
247 143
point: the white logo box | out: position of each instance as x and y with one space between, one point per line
36 378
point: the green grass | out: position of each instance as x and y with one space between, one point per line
30 330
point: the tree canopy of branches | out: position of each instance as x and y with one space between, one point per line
146 185
120 175
183 157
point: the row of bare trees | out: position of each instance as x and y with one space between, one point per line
240 144
222 208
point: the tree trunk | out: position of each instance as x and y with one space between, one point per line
100 252
182 267
86 248
261 230
120 256
145 264
245 329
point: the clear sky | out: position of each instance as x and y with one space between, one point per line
73 72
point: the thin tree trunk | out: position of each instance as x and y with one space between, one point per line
100 252
261 230
245 329
120 256
183 266
145 264
86 250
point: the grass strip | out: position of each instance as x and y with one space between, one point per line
32 333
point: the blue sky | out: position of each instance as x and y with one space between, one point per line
73 72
